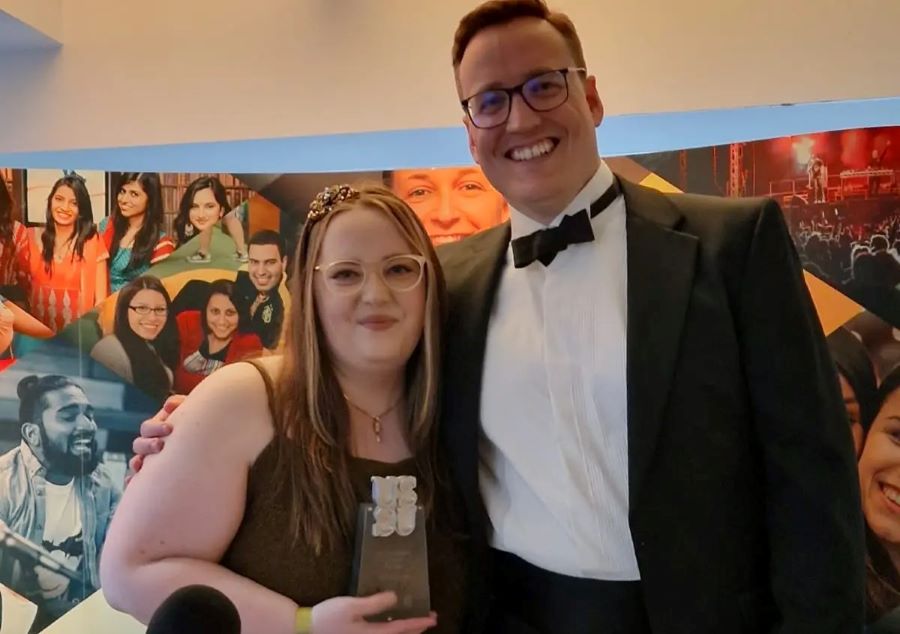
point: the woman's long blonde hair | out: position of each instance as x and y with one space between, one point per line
311 416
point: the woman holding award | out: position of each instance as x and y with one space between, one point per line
296 441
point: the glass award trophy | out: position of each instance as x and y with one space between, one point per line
391 551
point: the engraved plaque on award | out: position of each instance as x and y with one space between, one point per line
391 550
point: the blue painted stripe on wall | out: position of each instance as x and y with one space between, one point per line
439 147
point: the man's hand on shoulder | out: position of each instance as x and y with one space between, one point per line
153 433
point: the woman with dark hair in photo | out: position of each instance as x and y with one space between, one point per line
257 491
859 386
143 348
202 206
67 258
209 338
134 234
879 478
15 274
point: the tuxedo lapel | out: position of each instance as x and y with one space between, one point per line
472 269
661 264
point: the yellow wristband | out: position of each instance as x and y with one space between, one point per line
303 621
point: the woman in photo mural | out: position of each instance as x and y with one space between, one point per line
15 274
209 338
202 206
134 234
879 477
67 257
143 348
281 451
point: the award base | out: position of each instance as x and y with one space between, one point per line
397 563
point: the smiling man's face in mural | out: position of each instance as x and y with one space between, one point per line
452 202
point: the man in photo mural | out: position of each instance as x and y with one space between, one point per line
640 410
259 303
453 202
257 298
55 492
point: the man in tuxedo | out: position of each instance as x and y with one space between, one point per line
640 412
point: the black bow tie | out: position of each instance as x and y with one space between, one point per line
543 245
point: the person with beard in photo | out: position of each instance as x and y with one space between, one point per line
55 492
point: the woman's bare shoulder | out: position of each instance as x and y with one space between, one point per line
231 403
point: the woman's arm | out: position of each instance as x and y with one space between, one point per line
6 325
180 513
27 324
102 284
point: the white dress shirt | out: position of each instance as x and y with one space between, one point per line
554 447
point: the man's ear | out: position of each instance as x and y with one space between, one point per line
31 433
595 104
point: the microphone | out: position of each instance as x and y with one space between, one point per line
20 546
195 609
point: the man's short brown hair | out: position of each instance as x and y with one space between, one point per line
498 12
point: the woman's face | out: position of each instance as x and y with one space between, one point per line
132 200
205 211
147 314
64 206
221 317
879 472
373 328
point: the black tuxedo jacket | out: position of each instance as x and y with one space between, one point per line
744 498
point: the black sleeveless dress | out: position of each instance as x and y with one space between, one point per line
263 550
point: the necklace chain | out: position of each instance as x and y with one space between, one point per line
376 420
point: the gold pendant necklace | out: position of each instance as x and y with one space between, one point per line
376 420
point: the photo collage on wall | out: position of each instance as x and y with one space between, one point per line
120 289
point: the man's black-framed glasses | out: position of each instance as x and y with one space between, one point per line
544 92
